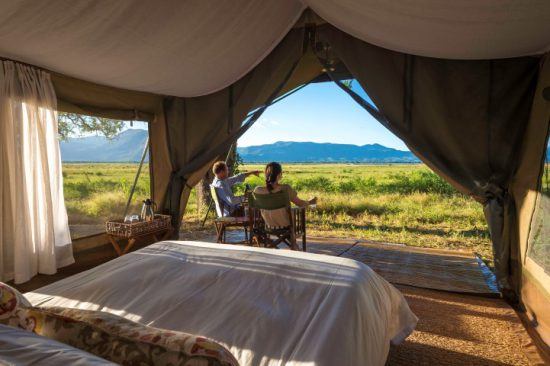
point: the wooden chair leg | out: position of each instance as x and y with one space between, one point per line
219 232
304 241
293 241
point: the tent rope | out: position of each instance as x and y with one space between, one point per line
145 149
367 106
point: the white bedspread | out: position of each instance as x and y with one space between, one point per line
269 307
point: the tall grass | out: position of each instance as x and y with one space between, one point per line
95 193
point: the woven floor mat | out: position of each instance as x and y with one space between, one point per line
462 330
426 268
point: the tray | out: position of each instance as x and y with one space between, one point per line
129 230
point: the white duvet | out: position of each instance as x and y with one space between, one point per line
269 307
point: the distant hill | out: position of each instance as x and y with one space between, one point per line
312 152
128 146
125 147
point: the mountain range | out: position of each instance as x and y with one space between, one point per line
313 152
128 146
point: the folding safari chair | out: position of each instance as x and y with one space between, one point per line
262 231
222 221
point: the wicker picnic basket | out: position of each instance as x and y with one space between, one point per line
128 230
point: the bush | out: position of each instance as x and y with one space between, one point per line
106 205
316 184
402 183
418 182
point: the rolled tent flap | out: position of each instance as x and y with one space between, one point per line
200 129
465 119
84 97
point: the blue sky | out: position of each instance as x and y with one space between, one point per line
320 112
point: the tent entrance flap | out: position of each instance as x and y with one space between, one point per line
464 119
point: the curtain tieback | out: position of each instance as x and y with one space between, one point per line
496 192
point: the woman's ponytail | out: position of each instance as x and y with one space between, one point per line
269 185
272 171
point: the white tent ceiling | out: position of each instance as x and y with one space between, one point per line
190 48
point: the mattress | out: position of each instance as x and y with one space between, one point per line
268 307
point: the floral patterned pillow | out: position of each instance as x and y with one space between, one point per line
12 306
125 342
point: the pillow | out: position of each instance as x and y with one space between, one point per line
125 342
20 347
12 304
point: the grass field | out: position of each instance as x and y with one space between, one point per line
391 203
97 192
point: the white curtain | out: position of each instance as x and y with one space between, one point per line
34 232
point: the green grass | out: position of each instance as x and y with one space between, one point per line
391 203
95 193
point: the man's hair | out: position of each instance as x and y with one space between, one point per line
218 167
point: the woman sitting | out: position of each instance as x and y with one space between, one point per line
273 176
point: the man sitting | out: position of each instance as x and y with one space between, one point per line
224 184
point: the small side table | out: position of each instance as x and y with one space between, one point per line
117 230
117 240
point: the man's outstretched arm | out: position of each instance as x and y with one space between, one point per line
239 178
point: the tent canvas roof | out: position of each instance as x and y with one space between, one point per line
192 48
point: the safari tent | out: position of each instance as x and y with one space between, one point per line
466 85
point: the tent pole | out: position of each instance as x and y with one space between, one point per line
143 155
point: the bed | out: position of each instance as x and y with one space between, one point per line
268 307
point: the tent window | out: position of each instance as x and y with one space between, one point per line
539 242
100 159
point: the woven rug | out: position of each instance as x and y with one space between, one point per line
458 329
426 268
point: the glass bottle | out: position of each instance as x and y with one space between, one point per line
147 213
